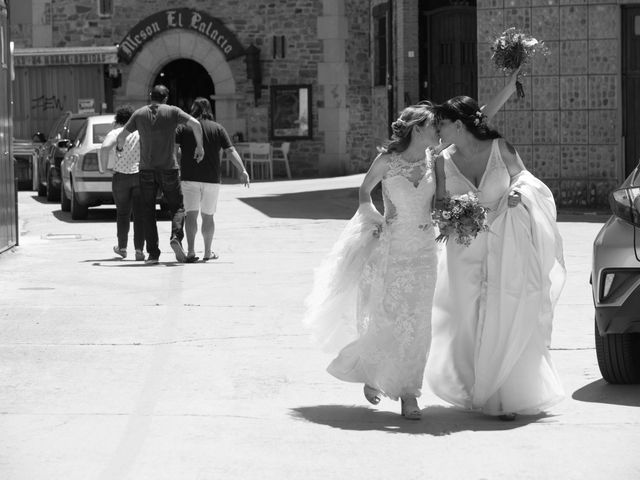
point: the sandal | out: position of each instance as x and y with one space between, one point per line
410 409
191 259
372 395
212 256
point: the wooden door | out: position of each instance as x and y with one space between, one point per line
631 86
448 53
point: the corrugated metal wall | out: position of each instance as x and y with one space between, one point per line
8 208
41 94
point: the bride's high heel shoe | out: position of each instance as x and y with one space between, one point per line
372 395
409 408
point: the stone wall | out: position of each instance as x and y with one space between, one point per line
360 143
77 23
567 128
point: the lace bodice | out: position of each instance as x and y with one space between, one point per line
408 189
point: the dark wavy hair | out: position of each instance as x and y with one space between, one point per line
202 108
123 114
467 110
401 129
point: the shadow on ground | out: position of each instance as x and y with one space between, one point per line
336 204
603 392
102 215
436 420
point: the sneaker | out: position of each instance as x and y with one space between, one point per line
177 249
151 261
139 255
120 251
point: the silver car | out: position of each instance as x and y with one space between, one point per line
615 281
83 185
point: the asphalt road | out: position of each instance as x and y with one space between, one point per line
110 369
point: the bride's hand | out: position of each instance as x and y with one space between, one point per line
514 77
514 199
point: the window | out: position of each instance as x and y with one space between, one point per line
290 112
380 53
105 8
3 53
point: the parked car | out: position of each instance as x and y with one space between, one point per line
83 185
61 136
615 280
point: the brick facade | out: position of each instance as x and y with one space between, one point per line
568 126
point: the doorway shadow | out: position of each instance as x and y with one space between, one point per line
603 392
436 420
335 204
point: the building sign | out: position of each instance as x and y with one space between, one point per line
58 57
86 105
180 18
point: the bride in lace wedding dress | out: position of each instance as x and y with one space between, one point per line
389 264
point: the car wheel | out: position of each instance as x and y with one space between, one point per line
65 202
53 194
78 211
618 356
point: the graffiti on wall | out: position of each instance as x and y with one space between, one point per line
45 103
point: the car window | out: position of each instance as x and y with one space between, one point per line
633 180
75 124
57 125
81 134
100 131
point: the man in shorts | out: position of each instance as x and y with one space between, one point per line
201 176
156 124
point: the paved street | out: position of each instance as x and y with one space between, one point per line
113 370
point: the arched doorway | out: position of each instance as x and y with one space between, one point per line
186 79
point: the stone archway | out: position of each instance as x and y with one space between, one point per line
177 44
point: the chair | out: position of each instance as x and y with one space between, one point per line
280 153
260 153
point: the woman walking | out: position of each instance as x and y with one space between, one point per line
494 299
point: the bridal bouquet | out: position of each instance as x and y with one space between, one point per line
513 49
461 216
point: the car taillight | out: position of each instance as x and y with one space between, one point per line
90 162
625 204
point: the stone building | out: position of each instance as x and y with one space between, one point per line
330 75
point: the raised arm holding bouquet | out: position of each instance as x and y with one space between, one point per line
513 49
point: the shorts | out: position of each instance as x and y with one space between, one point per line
200 196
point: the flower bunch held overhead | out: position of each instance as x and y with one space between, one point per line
514 49
461 216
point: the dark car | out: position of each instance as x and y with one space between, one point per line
615 281
62 135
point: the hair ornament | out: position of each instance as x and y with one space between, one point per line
398 126
479 118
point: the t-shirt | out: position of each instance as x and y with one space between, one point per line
214 138
128 160
157 124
